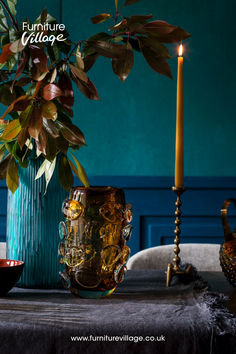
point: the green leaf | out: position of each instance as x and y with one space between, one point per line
14 115
87 49
2 151
3 125
12 175
53 53
39 58
67 100
9 146
51 91
139 18
89 61
49 19
46 168
79 60
65 174
12 130
131 24
79 171
43 16
51 148
71 133
19 154
49 172
31 89
156 46
35 122
50 128
23 81
106 49
79 73
4 76
122 25
20 67
21 105
22 137
6 53
42 142
118 39
165 32
11 5
49 110
156 62
134 42
16 46
3 167
42 169
160 27
53 75
99 36
87 88
12 105
65 46
25 116
13 36
123 65
6 96
11 62
4 39
3 20
29 148
62 144
130 2
100 18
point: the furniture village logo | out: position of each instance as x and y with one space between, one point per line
38 33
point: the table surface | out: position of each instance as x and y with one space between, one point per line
216 280
43 320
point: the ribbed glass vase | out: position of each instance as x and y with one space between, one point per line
32 227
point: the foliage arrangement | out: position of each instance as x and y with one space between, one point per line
36 83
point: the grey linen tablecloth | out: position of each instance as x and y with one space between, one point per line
183 319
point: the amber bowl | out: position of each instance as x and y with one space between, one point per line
10 272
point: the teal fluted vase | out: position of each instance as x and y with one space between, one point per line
32 227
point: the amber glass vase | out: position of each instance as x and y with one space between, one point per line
93 240
228 248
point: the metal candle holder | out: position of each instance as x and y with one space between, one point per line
173 268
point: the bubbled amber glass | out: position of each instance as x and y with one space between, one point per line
228 248
93 240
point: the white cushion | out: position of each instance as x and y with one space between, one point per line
2 250
205 257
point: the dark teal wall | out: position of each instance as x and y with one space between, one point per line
131 131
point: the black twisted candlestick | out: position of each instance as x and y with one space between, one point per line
173 268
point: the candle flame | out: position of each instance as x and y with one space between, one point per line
180 50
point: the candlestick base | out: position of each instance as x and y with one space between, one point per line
173 269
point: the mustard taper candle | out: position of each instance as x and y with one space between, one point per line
179 144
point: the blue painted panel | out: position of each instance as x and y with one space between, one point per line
3 201
160 230
3 210
153 208
153 200
2 228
